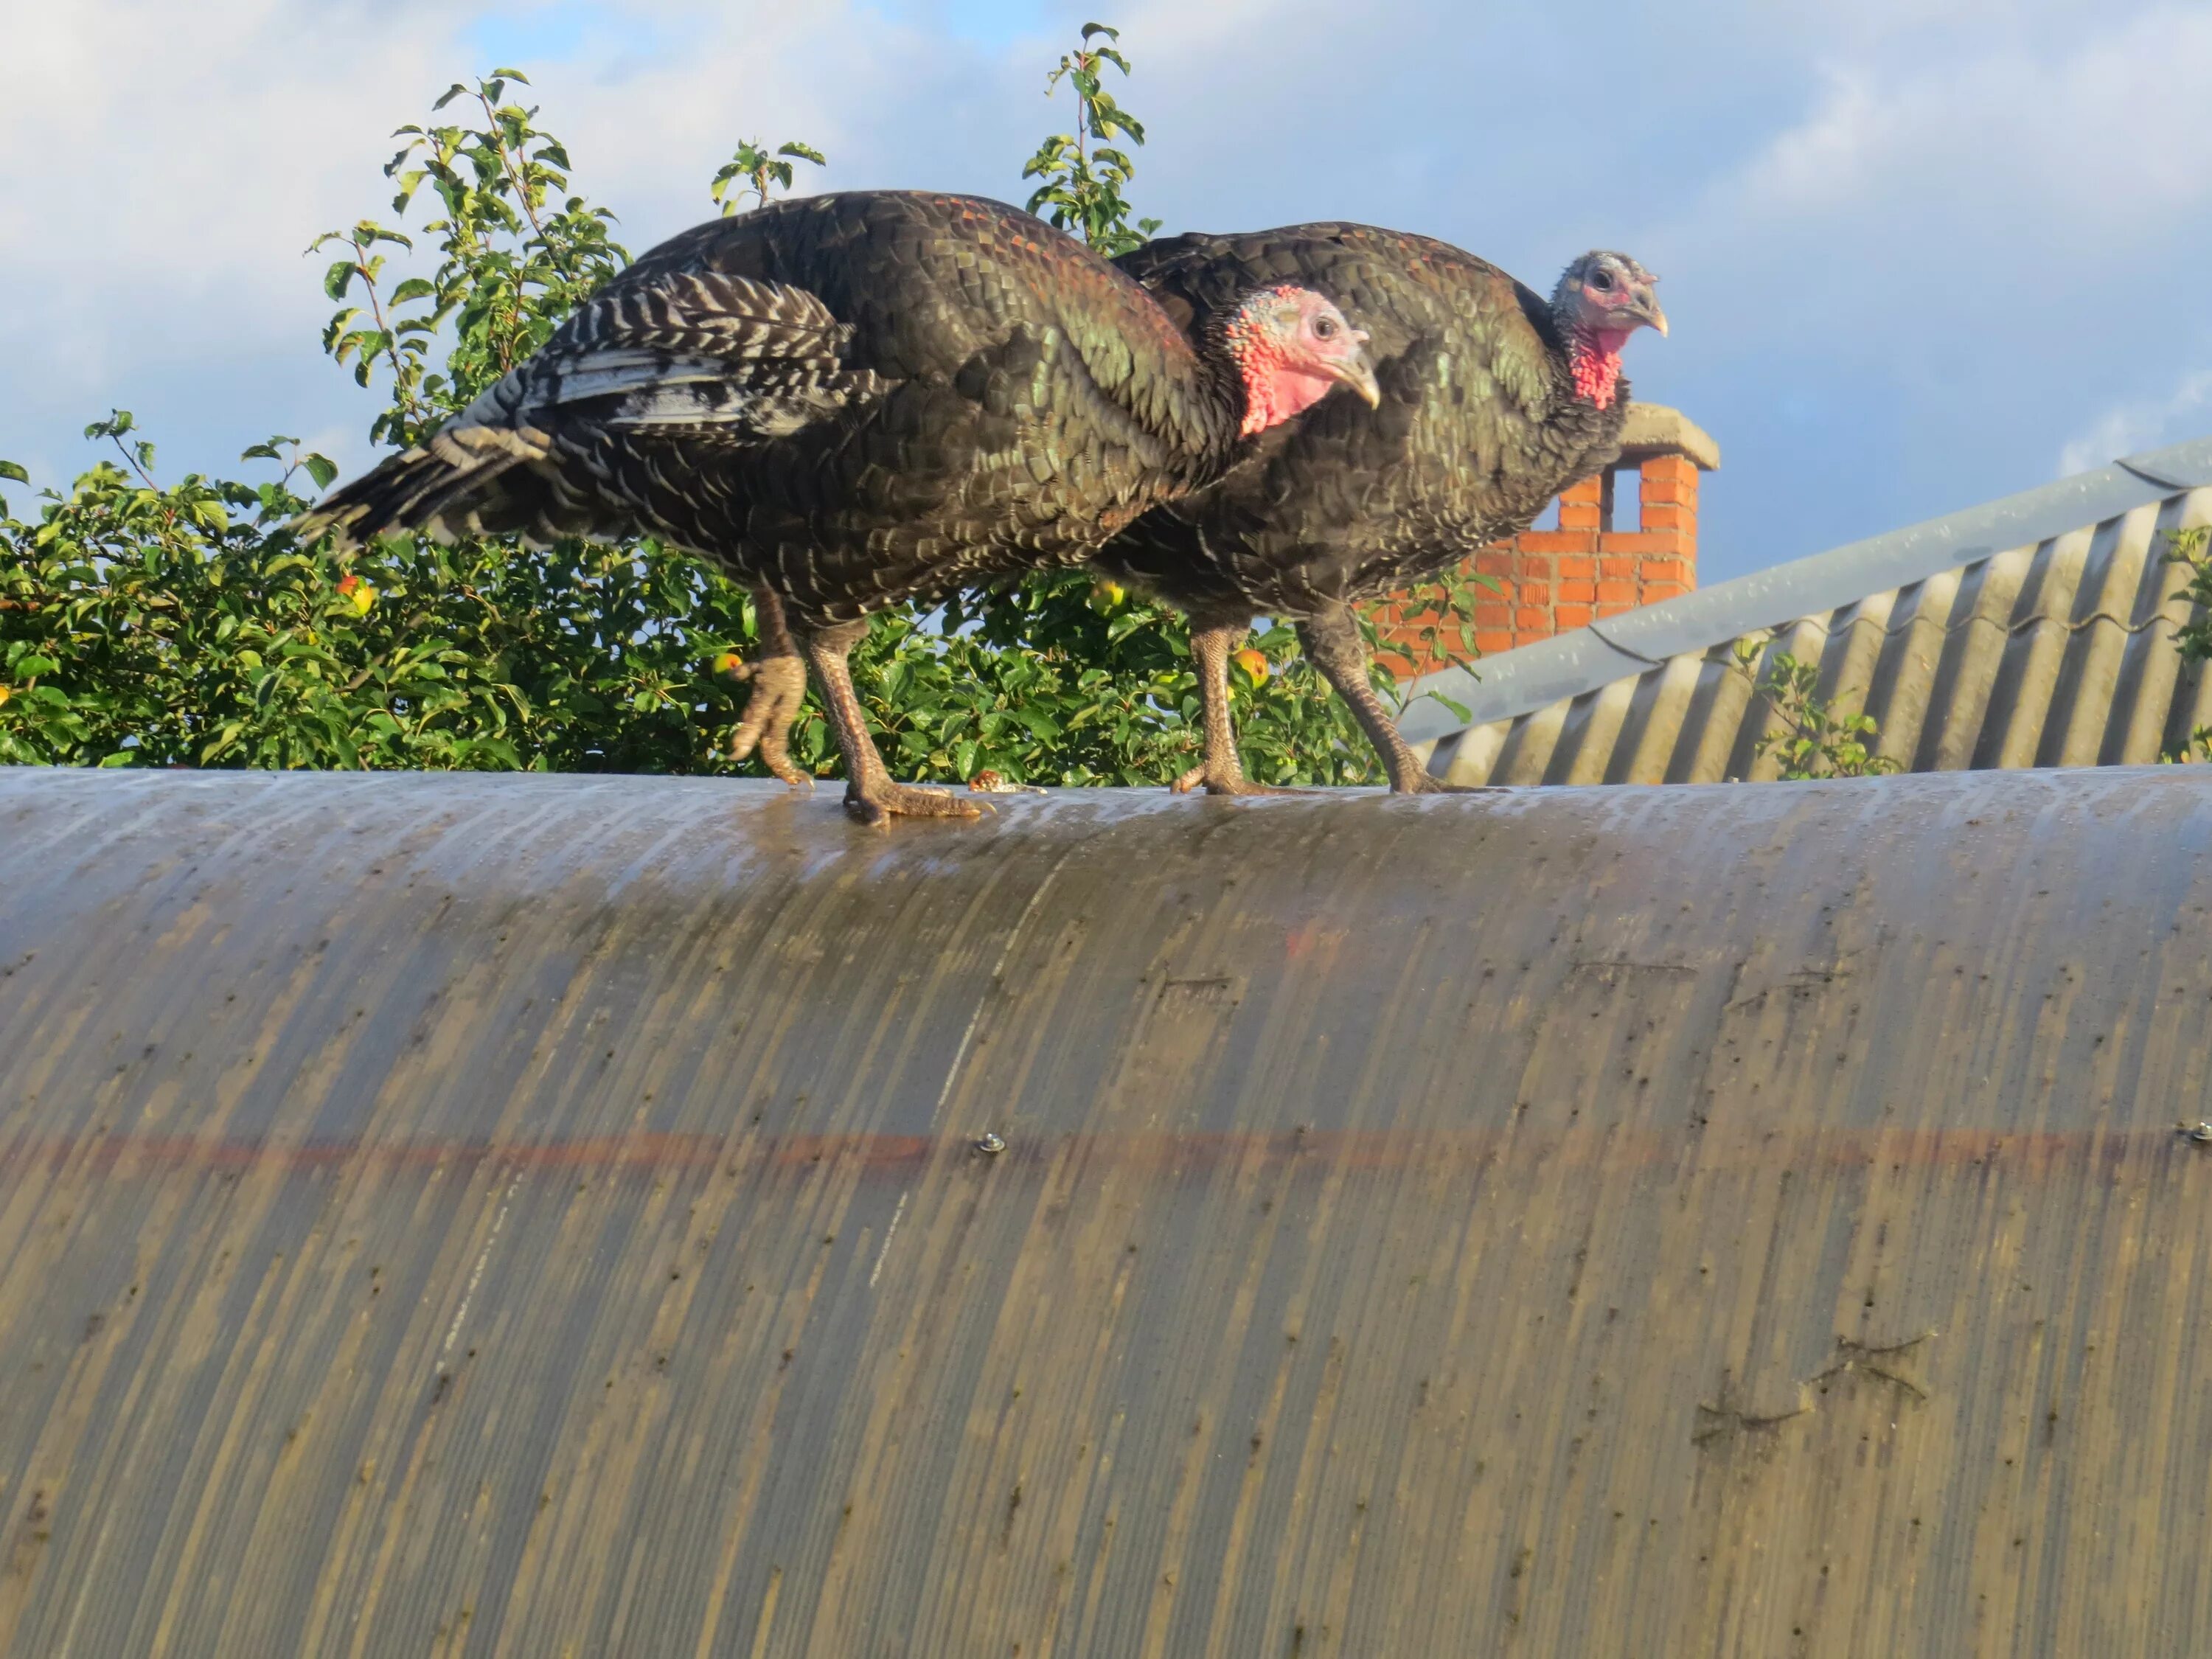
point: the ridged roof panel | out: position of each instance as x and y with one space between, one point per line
470 1215
2058 650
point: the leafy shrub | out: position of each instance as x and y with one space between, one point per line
2193 547
1812 740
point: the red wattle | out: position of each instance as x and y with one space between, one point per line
1596 365
1272 393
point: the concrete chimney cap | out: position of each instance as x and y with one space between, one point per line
1655 430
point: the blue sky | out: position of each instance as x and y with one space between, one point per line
1916 255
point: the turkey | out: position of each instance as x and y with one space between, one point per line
1492 402
852 400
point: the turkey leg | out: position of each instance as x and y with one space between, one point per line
1221 772
869 794
1332 642
779 678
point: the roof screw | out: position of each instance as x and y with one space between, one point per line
991 1143
2202 1134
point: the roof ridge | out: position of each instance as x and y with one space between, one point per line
1960 624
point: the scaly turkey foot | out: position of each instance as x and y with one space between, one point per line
1421 783
877 803
778 692
1227 781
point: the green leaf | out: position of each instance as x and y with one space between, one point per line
14 471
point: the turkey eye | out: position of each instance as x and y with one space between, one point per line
1325 329
1602 281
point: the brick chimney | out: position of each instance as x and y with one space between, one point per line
1591 566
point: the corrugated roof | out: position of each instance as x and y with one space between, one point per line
2037 630
519 1216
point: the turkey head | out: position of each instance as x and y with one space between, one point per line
1601 299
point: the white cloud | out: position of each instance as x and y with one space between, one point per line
174 164
1958 254
2038 166
188 157
2130 428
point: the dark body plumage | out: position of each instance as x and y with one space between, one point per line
863 398
847 400
1478 427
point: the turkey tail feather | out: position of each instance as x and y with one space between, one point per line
454 483
660 360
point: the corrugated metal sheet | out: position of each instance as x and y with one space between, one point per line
538 1216
2056 651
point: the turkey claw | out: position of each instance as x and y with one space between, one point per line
778 692
1423 783
1227 781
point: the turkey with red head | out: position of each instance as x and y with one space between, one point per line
853 400
1493 400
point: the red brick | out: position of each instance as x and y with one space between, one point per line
1541 542
1490 642
1668 543
1553 578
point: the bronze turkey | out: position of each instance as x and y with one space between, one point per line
1492 401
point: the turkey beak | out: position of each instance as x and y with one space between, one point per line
1358 373
1647 311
